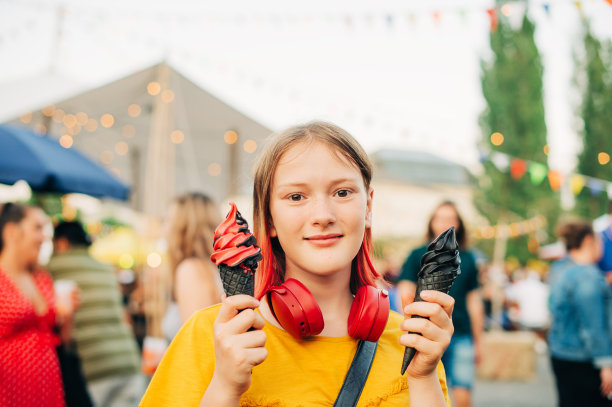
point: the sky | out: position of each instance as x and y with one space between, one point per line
393 73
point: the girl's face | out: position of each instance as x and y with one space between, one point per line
320 209
444 218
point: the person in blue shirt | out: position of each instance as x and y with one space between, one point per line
605 263
580 337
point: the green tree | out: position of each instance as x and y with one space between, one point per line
595 84
512 87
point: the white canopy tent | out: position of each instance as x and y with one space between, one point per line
155 129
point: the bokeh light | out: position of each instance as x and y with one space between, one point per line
177 137
250 146
107 120
214 169
497 139
153 88
66 141
134 110
230 137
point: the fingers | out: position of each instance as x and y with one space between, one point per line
444 300
439 312
246 319
231 305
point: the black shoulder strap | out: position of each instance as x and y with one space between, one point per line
357 375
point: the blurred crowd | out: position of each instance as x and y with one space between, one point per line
74 329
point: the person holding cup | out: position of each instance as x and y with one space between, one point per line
29 365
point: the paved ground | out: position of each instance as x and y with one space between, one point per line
539 392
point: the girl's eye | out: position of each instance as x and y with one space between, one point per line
343 193
295 197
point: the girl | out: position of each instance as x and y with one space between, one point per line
312 217
468 314
192 219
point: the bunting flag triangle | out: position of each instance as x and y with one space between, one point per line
577 182
555 178
518 168
537 173
492 19
596 186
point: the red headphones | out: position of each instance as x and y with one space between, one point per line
295 308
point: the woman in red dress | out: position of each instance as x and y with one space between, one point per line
29 368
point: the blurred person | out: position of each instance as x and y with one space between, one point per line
192 219
104 342
468 315
580 337
530 296
29 367
605 263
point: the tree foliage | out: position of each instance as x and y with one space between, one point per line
512 87
594 79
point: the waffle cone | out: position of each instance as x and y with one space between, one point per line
237 280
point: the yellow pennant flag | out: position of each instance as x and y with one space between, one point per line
577 182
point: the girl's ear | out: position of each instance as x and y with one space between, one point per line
368 219
272 229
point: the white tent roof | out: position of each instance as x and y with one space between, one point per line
200 116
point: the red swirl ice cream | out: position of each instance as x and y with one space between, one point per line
236 254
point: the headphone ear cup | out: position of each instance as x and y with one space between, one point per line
295 309
369 313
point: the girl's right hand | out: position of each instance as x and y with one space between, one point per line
237 350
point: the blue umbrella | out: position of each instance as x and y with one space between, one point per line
48 167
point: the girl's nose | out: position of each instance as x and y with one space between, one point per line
323 212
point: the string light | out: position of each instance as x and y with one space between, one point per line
230 137
26 117
66 141
107 120
250 146
154 260
122 148
48 110
506 10
82 118
134 110
167 96
153 88
70 120
497 139
214 169
177 137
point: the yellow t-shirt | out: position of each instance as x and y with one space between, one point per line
296 373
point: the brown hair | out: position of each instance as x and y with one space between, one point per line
460 234
191 229
573 231
10 213
272 268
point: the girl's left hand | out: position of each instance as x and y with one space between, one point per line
435 332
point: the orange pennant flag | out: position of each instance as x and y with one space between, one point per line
555 178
